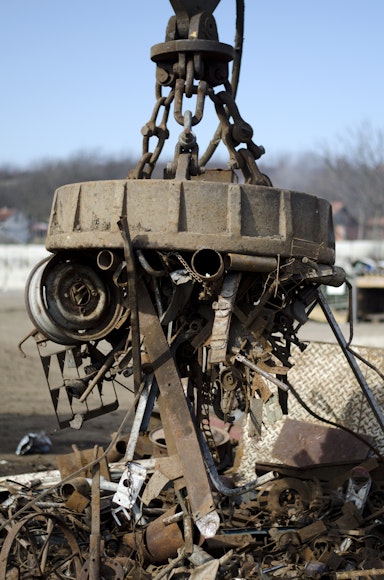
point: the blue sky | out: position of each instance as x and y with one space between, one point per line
77 75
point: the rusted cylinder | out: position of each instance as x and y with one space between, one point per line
337 278
208 264
79 484
135 541
106 260
244 263
157 438
118 449
162 541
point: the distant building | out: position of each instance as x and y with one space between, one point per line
38 232
375 228
345 225
14 226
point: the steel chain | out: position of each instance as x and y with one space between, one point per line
207 430
190 271
164 257
238 132
149 130
232 133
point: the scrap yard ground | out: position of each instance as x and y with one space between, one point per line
25 401
26 405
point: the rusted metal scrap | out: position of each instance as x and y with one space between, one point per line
288 527
194 286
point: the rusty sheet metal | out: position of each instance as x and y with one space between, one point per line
71 462
176 409
301 444
330 390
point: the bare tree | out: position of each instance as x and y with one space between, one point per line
356 172
31 190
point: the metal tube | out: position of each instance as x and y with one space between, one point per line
244 263
148 267
106 260
207 264
164 539
241 358
79 484
118 449
105 485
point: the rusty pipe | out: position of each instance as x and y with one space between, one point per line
207 264
163 537
163 541
118 448
79 484
244 263
106 260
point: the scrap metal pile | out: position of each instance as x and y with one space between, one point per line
295 526
192 289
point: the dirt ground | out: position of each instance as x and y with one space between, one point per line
26 405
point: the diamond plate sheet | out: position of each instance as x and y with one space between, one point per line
324 380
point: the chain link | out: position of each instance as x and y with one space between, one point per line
200 91
205 424
148 160
234 130
190 271
238 132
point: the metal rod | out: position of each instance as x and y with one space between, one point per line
95 537
101 372
344 575
141 407
133 301
241 358
172 564
217 482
